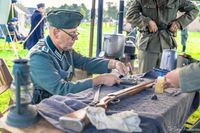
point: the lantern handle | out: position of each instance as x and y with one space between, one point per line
18 101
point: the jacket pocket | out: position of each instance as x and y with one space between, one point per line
168 12
149 10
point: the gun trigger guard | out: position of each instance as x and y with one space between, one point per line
115 101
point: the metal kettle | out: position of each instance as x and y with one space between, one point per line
168 60
114 45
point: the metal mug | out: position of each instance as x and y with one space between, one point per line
114 45
168 60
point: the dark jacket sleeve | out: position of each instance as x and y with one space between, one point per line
190 14
135 17
93 65
39 29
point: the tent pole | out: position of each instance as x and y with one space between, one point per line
12 8
12 42
99 27
121 16
2 32
92 27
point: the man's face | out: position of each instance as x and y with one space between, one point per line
16 22
66 38
41 9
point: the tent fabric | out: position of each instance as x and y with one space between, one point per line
21 15
4 10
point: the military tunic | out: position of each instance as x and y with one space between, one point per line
52 71
190 78
163 12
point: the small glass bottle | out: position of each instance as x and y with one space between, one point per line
159 88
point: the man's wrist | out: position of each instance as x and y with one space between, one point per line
97 80
112 64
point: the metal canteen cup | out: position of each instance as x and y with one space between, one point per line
183 60
114 45
168 60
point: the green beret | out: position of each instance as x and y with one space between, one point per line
64 19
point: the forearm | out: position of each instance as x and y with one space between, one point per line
62 87
92 65
189 78
191 13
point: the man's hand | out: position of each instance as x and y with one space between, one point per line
152 26
106 79
174 26
172 79
114 64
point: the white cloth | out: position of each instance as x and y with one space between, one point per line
126 121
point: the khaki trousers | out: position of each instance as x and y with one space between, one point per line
148 60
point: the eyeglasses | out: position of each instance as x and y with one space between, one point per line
74 36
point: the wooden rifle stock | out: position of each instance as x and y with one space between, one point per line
77 120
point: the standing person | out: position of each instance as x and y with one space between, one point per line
184 37
131 32
158 23
39 31
52 60
187 79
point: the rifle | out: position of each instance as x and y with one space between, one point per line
77 120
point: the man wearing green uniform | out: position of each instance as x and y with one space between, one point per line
52 60
187 78
158 23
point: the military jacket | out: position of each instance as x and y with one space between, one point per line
39 31
190 78
52 71
163 12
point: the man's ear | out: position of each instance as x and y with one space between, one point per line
56 33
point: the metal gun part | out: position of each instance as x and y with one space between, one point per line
74 124
96 96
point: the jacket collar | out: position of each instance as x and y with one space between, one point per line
54 49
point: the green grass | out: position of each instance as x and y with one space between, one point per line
193 44
5 98
82 46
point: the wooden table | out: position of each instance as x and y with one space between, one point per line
40 127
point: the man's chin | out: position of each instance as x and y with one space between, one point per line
66 49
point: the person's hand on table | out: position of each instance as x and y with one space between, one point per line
119 66
172 79
106 79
